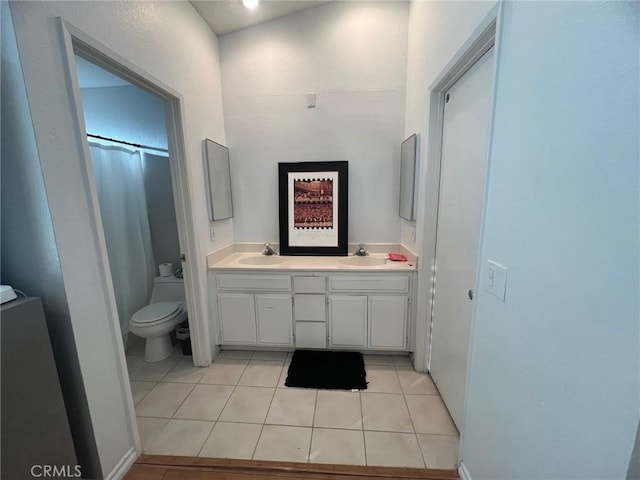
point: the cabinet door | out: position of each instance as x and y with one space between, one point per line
275 319
348 320
388 321
237 318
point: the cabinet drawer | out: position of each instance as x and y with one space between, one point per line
369 283
309 284
309 307
311 335
231 281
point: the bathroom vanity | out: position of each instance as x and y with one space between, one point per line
313 302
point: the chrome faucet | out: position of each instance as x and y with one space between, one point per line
361 252
268 249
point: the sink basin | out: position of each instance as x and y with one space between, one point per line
363 261
261 260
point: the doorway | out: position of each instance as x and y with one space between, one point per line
468 59
127 138
463 166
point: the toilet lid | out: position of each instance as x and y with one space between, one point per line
155 312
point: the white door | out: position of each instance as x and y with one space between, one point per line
348 320
275 319
387 321
462 176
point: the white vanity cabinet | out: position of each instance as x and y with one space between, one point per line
313 309
377 320
260 315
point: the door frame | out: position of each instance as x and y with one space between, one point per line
485 36
75 41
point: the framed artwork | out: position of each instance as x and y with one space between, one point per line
313 208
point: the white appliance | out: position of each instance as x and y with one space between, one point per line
6 294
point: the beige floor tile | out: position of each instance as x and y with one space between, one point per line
283 377
416 383
181 437
292 407
185 372
402 361
232 440
392 450
287 444
378 360
140 389
383 379
273 356
386 412
163 400
153 372
429 415
205 402
225 371
149 428
261 373
248 405
335 409
244 354
342 447
439 451
133 362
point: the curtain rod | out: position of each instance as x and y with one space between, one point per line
126 143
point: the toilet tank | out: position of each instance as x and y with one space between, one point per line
167 289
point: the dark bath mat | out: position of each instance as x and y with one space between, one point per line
327 370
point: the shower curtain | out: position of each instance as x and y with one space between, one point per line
121 194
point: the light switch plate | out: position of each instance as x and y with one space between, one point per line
497 280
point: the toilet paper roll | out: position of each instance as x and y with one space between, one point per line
166 269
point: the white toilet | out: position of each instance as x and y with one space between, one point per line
154 323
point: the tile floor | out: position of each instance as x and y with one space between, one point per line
239 408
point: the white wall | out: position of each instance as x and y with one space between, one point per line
173 44
437 30
30 260
353 56
125 113
554 374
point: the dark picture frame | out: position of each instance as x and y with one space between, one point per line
313 200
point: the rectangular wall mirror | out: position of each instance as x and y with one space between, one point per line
218 175
408 177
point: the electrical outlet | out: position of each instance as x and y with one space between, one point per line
497 280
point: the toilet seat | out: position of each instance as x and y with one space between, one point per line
155 313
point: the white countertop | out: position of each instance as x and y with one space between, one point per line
253 261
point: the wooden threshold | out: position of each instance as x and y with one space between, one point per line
164 467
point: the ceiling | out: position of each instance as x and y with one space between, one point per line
226 16
223 16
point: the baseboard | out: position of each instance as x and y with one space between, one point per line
463 472
123 466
